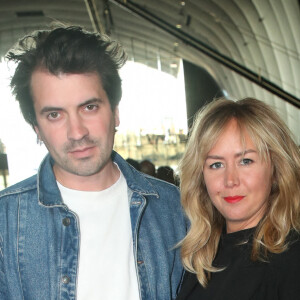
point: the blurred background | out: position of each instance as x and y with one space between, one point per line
182 54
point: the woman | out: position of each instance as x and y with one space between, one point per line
240 185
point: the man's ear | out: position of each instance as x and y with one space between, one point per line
36 129
116 114
39 140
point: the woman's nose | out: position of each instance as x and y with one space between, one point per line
231 176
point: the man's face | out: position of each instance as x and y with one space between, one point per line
75 121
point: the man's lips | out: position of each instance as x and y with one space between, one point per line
81 149
233 199
82 152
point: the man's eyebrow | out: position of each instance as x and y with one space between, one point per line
90 101
236 155
47 109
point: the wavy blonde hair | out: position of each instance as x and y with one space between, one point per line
274 143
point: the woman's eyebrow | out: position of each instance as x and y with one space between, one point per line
236 155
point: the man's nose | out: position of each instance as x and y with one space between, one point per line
76 128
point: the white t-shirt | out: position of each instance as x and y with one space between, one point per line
106 262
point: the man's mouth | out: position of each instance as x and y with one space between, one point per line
82 152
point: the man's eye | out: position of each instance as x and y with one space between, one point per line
246 161
91 107
53 115
216 165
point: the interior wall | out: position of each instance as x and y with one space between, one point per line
200 88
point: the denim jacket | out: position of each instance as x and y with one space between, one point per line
40 238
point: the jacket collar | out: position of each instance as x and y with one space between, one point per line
49 194
47 189
136 181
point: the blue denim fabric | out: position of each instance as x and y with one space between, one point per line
40 238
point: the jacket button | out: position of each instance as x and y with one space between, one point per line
66 221
65 279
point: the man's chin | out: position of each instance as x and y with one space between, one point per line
89 169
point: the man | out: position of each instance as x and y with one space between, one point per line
88 225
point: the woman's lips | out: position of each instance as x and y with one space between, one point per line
233 199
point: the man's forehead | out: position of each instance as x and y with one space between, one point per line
47 87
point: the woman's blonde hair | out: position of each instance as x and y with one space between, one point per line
274 143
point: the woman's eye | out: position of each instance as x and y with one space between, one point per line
246 161
216 165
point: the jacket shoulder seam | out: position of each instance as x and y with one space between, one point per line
18 190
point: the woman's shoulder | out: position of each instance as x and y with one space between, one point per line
291 253
286 265
294 240
284 269
189 282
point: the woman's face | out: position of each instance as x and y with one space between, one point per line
237 180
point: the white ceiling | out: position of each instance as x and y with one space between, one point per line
256 39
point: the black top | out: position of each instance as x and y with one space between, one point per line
244 279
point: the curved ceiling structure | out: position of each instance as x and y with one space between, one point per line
250 47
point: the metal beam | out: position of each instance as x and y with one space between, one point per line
94 16
202 47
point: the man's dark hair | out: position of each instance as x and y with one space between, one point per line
69 50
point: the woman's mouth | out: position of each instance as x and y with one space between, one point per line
233 199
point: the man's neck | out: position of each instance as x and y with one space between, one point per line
102 180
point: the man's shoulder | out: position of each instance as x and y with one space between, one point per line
161 184
23 186
142 182
149 185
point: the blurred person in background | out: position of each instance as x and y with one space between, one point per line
134 163
148 167
166 173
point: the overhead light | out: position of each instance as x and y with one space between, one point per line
178 26
176 44
173 65
182 3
